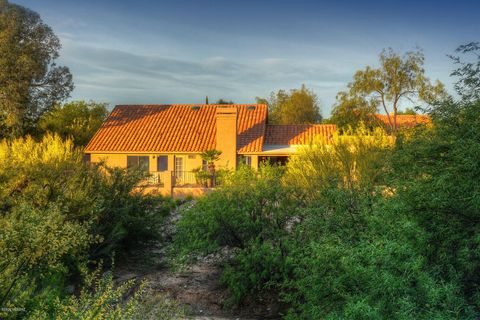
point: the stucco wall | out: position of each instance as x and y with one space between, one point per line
191 161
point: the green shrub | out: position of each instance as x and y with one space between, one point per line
57 214
250 212
125 220
260 267
101 299
35 245
374 270
437 172
247 206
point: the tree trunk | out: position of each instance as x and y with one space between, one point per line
211 170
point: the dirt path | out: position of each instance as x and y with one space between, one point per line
196 288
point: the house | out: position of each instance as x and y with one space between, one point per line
167 140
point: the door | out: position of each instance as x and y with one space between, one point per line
179 170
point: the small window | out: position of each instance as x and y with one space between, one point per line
162 163
204 165
138 162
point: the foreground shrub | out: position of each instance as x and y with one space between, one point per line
260 267
57 214
125 220
373 270
101 299
438 172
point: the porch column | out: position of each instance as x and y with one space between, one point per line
169 179
254 161
168 183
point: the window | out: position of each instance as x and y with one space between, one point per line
204 165
162 163
244 160
138 162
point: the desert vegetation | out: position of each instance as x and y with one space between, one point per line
374 223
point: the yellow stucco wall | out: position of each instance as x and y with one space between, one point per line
111 160
191 161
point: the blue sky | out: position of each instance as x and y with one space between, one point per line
179 51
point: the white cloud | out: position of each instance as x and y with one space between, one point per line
118 76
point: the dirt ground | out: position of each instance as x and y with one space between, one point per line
196 287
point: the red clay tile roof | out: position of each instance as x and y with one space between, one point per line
405 120
297 133
174 128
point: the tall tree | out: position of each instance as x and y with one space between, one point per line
398 78
294 107
78 120
468 71
30 81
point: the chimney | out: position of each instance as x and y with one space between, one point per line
226 139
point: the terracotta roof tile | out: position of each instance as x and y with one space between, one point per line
297 134
175 128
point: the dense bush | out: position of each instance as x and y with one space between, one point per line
101 299
371 267
57 214
124 220
248 205
438 172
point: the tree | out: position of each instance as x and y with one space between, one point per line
397 79
295 107
352 111
223 101
260 100
210 156
78 120
30 81
468 86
